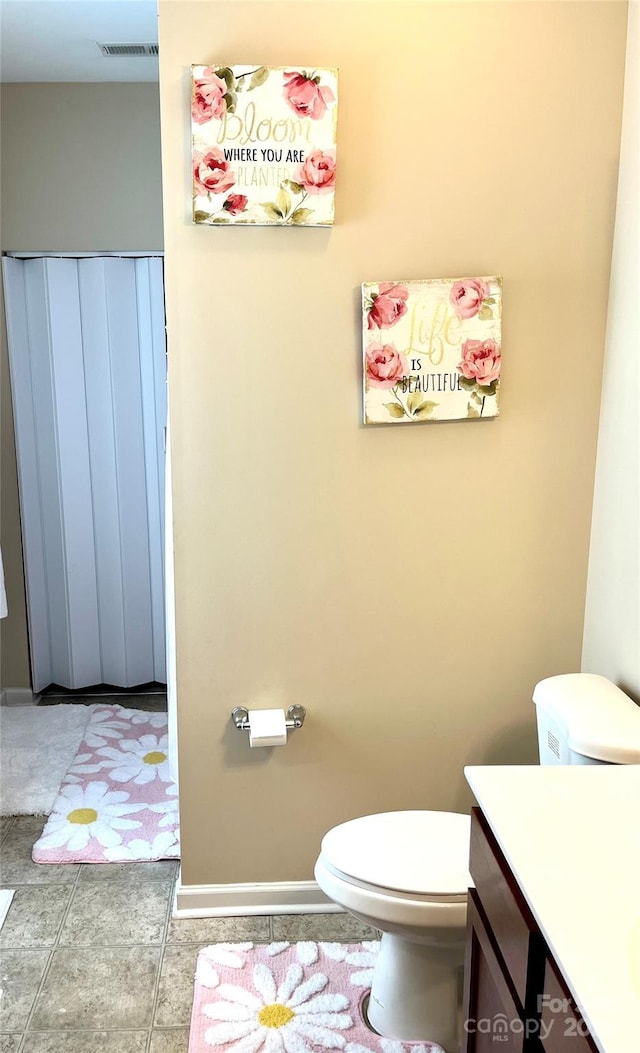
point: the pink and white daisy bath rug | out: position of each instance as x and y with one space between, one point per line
287 998
118 802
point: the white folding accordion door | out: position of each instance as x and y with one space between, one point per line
88 375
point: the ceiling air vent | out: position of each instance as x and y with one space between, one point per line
129 50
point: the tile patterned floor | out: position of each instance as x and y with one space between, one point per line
150 702
92 962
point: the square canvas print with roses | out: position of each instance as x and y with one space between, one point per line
264 145
432 349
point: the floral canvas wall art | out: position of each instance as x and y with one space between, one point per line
264 145
431 349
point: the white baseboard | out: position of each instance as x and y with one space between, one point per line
268 897
17 696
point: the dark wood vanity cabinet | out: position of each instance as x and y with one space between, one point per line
489 1005
515 1000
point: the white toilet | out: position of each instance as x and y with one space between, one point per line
405 873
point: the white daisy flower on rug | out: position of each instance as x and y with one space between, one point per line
90 811
336 951
366 958
138 760
162 845
230 954
306 950
104 725
169 808
206 974
81 766
390 1045
291 1018
393 1046
154 720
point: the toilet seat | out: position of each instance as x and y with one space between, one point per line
420 856
411 898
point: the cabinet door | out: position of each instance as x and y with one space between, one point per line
562 1029
491 1021
519 943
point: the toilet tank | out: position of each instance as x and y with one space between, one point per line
585 719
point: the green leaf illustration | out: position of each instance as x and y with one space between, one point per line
231 99
272 210
471 410
301 215
295 188
414 400
395 409
201 217
227 76
466 383
485 313
477 397
258 78
488 389
490 299
283 200
424 410
220 219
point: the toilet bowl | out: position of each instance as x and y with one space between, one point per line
406 874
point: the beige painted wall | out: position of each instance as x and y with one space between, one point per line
612 616
81 167
80 172
408 585
14 643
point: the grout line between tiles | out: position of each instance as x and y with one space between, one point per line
38 990
108 944
89 1030
163 947
50 959
145 1032
17 887
8 825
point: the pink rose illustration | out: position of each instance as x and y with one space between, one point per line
306 96
389 305
318 172
208 97
467 296
385 365
211 173
480 361
234 204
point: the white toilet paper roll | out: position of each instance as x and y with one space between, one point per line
267 727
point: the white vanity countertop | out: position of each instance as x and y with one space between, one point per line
571 836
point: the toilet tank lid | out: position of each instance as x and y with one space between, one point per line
419 852
601 721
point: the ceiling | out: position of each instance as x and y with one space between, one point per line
55 40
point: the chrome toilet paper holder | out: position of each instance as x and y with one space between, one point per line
294 719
